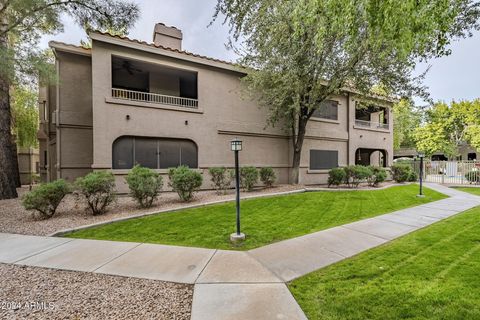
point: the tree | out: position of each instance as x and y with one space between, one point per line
301 52
22 22
25 116
446 127
406 118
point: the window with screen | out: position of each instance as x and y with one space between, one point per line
328 109
323 159
154 153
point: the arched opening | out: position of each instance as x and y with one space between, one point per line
154 153
371 157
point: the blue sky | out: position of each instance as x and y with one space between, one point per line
454 77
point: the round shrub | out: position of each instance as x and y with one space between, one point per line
336 176
46 197
413 176
473 176
98 189
184 181
356 174
267 176
144 184
378 176
221 178
401 172
248 177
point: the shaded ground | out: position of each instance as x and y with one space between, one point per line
59 294
429 274
264 220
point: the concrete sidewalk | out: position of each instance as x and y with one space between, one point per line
232 284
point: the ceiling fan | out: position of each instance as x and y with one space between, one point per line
128 66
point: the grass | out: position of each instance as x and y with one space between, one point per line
472 190
264 220
429 274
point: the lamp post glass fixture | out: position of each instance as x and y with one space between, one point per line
236 146
421 155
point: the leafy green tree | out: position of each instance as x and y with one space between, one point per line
447 126
301 52
22 23
406 118
25 116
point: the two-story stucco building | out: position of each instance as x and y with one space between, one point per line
124 102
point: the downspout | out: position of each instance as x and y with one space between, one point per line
57 120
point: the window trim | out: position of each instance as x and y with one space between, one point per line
321 169
317 118
158 141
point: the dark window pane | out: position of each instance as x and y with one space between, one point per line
189 154
169 153
146 152
328 109
123 153
323 159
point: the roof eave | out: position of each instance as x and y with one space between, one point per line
165 52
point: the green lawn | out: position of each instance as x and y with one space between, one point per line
472 190
264 220
430 274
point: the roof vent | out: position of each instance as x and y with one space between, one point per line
169 37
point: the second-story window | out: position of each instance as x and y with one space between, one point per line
328 110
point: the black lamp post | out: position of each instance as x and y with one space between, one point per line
236 146
421 155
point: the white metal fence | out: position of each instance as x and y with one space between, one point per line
449 172
154 98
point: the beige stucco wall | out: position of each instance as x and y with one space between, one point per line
220 117
90 120
74 119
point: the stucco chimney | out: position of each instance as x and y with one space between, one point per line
170 37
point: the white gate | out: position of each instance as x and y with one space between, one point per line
449 172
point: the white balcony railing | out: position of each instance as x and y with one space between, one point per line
371 125
154 98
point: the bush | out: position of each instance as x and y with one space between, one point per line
144 184
184 181
267 176
221 178
46 197
98 188
248 178
413 176
401 172
473 176
378 176
354 175
336 176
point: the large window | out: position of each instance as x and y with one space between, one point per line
323 159
155 153
328 110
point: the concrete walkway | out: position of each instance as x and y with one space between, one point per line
233 284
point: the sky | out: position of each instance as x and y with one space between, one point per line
454 77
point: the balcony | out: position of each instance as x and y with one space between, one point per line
371 117
147 83
371 125
148 97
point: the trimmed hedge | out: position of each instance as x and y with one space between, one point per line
248 177
402 172
353 175
267 176
184 181
46 198
98 189
221 178
144 184
336 176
